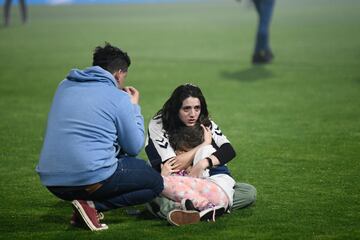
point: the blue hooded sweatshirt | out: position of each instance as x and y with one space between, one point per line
88 116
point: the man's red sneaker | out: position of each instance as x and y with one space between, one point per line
87 212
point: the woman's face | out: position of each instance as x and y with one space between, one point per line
190 111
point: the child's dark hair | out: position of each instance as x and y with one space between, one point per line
111 58
187 138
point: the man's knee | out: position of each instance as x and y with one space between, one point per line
149 177
156 180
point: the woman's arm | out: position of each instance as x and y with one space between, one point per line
158 148
223 155
225 152
203 164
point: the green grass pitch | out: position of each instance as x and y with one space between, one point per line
295 123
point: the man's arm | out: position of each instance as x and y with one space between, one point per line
130 123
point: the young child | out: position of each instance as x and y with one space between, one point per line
185 139
206 192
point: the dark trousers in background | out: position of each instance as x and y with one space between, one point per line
264 9
7 9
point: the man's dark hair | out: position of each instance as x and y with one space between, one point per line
187 138
111 58
169 113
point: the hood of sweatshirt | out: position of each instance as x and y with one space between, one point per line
92 74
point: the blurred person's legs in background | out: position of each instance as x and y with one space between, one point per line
7 11
262 51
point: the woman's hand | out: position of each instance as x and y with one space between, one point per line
207 135
169 167
184 160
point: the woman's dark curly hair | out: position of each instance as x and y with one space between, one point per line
169 113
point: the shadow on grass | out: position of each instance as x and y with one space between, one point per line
49 218
244 213
145 215
59 214
53 219
254 73
58 217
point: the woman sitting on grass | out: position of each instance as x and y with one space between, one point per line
187 107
